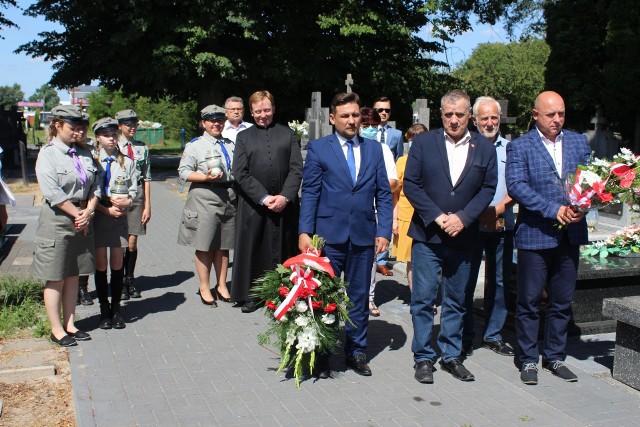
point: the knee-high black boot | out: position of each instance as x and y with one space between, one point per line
103 299
116 293
131 258
84 296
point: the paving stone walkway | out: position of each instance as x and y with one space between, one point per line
180 363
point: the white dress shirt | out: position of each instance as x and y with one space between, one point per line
457 155
230 131
554 148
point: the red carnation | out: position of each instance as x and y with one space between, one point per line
316 305
330 308
270 305
284 291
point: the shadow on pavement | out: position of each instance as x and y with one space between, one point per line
144 283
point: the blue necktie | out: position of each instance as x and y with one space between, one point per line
107 175
226 154
382 135
351 161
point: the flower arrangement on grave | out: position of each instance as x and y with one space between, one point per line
306 303
624 242
300 129
625 178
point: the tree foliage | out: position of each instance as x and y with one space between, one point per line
173 115
49 94
208 50
4 22
595 69
513 71
10 96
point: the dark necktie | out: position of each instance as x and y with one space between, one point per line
82 175
351 160
226 154
382 135
107 175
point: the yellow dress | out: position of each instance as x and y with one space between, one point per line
401 247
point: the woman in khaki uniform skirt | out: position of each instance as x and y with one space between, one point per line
118 178
208 218
64 238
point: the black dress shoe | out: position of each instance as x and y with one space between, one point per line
249 307
499 347
455 368
117 320
133 292
358 362
65 341
424 372
79 335
322 370
212 303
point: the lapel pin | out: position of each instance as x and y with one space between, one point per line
473 145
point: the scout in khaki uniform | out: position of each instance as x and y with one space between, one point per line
208 218
119 181
64 239
84 296
140 211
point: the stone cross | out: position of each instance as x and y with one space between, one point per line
348 82
318 118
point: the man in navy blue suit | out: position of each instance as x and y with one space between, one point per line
450 179
393 138
344 175
537 164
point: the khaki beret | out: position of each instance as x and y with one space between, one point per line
69 113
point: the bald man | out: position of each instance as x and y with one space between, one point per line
537 165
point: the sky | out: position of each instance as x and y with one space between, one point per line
31 73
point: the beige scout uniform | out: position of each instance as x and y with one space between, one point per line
143 168
61 251
208 218
112 232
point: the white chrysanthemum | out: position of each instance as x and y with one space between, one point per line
589 177
301 306
302 321
328 318
600 162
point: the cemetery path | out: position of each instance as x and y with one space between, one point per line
179 362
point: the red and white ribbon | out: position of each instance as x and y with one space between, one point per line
301 279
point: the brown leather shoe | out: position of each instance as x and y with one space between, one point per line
382 269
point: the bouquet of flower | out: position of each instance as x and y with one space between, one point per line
300 129
625 178
586 189
306 303
623 242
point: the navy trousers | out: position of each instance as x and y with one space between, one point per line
356 262
555 269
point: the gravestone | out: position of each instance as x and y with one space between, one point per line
617 215
601 139
318 119
505 119
421 112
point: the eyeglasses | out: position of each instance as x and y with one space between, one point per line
386 110
235 109
129 124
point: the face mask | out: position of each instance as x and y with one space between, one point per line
369 133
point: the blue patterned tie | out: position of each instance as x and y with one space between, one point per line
107 175
351 161
382 129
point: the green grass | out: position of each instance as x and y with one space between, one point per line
169 148
22 307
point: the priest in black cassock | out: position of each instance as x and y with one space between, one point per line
267 166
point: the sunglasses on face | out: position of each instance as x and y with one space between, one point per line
386 110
